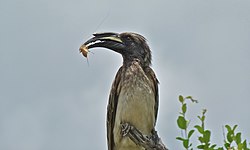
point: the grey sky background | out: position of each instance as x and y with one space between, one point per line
52 99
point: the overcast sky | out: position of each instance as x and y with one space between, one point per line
51 98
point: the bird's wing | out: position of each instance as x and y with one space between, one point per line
111 110
154 83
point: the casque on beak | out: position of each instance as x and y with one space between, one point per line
107 40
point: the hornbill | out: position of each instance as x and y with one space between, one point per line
133 97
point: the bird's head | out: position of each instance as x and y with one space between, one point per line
130 45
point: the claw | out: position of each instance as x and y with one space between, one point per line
149 142
125 128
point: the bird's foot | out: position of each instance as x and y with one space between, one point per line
149 142
125 128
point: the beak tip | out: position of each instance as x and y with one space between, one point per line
95 34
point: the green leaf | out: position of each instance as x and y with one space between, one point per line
181 99
230 136
206 136
184 108
191 98
238 138
190 133
240 146
180 138
203 118
200 146
228 128
213 146
201 139
235 126
190 145
182 123
186 143
245 144
204 111
227 145
199 128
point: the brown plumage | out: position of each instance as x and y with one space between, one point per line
134 94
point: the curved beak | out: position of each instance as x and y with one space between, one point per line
107 40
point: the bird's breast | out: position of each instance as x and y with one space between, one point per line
135 105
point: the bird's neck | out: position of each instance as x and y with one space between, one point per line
128 62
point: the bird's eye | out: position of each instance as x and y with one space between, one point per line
129 38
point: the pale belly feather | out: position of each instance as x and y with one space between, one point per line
135 106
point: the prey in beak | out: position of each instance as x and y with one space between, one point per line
108 40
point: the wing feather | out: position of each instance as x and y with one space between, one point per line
154 83
111 109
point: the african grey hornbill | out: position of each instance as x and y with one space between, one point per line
134 95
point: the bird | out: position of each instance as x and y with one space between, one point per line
134 97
